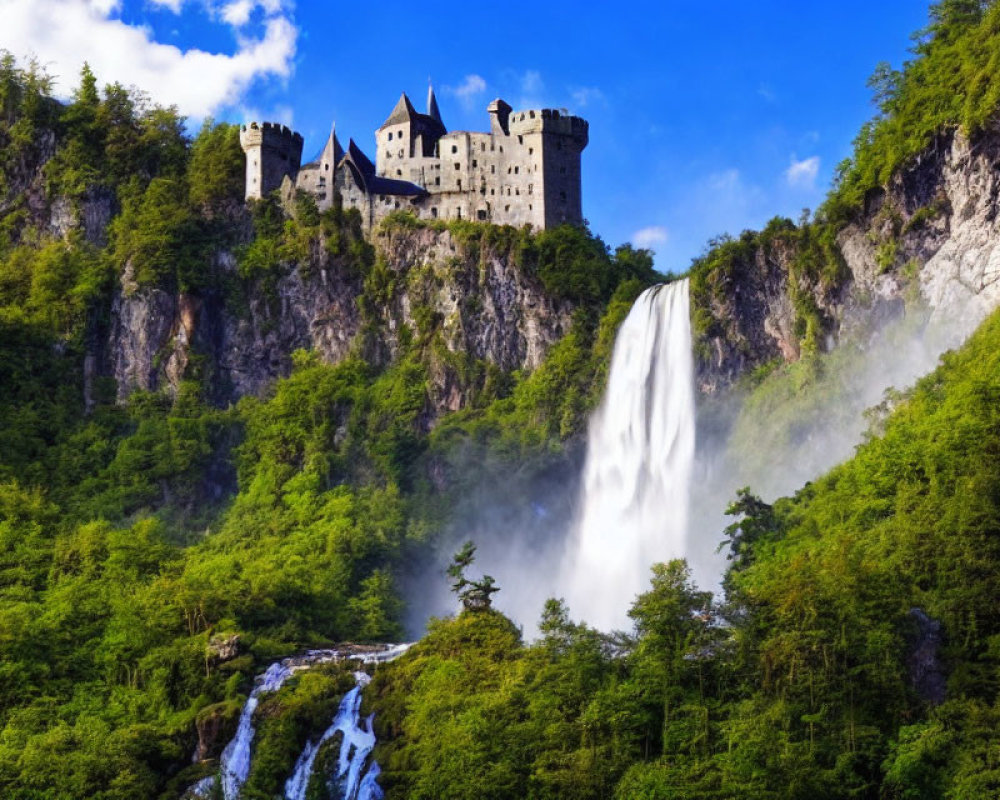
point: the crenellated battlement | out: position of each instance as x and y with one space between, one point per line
550 121
273 151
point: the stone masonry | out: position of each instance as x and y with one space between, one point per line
524 171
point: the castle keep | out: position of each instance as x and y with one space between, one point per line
524 171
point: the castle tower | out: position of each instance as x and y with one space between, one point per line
272 151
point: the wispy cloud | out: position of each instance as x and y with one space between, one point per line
650 236
63 34
532 89
767 93
469 90
586 96
802 174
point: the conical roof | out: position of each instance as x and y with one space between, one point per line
432 106
403 112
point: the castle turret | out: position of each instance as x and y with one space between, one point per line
273 151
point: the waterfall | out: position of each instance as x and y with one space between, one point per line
357 743
634 504
236 757
355 779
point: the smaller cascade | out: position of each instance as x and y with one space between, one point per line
356 746
236 756
354 781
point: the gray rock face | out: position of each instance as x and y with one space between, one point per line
923 657
932 236
483 305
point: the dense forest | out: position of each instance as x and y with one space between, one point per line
855 652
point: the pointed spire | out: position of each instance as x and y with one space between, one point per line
403 112
432 104
332 152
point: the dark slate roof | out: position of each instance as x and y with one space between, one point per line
393 186
360 159
432 106
403 112
362 167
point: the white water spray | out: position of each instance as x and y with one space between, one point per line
634 504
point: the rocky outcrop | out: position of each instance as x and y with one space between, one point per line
929 238
923 657
471 299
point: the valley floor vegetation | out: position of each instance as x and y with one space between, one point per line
856 652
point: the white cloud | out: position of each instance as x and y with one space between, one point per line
649 236
802 174
469 90
63 34
532 89
587 95
172 5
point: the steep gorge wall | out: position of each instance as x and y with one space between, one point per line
929 240
470 298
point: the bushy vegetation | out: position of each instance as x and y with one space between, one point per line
134 534
800 682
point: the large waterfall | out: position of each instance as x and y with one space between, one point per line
634 503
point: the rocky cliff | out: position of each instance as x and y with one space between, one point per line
465 300
928 240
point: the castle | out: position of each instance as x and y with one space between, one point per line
525 171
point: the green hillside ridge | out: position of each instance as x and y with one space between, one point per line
134 537
803 682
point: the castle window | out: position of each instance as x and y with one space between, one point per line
326 167
484 146
531 114
493 191
399 172
530 188
481 214
390 136
501 148
529 207
458 213
482 190
458 166
434 212
475 163
506 208
517 192
520 140
388 154
400 134
508 191
437 181
459 184
517 170
400 153
454 148
493 169
397 204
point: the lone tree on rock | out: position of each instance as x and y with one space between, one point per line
475 595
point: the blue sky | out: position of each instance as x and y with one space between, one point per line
704 118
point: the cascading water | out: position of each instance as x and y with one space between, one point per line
356 777
634 503
235 763
355 747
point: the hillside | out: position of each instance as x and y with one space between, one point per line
232 432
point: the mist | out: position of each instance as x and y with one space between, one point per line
795 425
